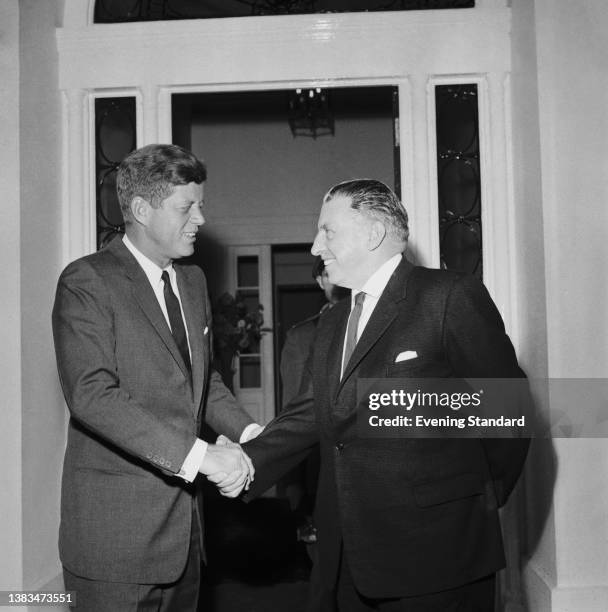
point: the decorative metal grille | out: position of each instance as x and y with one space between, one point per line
459 181
116 11
115 137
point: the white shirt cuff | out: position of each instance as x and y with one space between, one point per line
193 461
250 432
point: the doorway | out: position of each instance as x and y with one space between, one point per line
265 186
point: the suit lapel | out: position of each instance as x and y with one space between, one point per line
194 313
144 296
384 314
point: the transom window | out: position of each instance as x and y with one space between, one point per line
117 11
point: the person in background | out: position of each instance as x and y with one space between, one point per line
300 337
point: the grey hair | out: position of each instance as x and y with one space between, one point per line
378 201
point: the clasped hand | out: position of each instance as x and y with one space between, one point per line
226 465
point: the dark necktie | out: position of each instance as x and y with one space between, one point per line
175 319
351 330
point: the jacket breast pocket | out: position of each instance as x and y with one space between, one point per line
405 369
446 490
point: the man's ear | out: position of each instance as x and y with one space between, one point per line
377 234
140 210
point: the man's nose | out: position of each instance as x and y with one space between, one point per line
317 245
196 217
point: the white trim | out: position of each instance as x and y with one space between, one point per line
432 236
164 116
514 322
79 222
165 93
65 180
377 81
270 48
406 147
90 16
91 193
76 124
499 250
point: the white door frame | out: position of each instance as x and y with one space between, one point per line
156 59
414 50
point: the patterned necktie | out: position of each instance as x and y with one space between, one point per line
175 319
351 330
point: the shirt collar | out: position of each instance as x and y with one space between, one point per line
376 283
152 270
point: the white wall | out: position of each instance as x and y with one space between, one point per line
32 433
265 186
43 410
530 257
569 565
11 557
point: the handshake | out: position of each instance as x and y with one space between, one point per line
226 465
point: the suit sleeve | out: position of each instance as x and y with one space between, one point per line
84 337
222 412
285 441
478 347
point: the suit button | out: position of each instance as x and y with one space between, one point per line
339 447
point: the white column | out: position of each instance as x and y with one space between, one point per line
422 209
165 131
11 545
78 213
150 119
496 203
568 540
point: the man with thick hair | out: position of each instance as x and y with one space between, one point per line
132 338
404 524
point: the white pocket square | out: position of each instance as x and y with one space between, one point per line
406 356
206 331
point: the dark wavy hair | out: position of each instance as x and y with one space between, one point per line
152 173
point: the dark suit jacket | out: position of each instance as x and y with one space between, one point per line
415 516
125 515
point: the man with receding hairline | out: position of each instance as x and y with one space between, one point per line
132 336
404 524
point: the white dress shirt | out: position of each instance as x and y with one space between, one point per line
373 288
154 272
